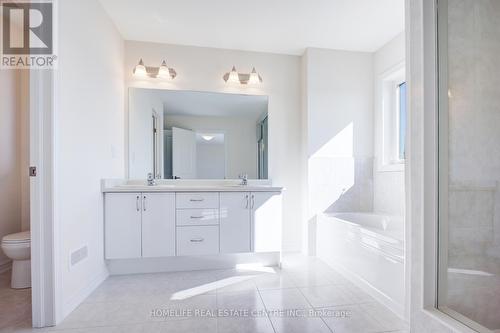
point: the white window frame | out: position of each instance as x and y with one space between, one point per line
389 83
398 159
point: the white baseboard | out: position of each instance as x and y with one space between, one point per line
190 263
83 293
364 285
5 266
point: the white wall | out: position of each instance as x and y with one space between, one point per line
210 160
240 136
14 154
202 69
388 186
89 130
14 180
10 219
339 107
140 141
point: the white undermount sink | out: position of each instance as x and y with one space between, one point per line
243 186
133 186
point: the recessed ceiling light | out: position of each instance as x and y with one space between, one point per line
207 137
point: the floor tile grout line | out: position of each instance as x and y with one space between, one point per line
265 309
312 307
58 329
380 322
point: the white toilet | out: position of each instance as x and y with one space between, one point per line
18 248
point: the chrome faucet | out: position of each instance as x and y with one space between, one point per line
151 180
244 179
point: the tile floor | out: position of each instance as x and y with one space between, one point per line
15 305
304 296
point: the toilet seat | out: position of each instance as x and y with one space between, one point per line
17 238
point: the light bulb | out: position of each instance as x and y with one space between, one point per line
207 137
164 72
140 69
233 76
254 77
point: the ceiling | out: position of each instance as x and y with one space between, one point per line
276 26
208 104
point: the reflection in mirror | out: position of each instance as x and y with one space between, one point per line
197 135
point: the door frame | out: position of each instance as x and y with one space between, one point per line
44 235
422 177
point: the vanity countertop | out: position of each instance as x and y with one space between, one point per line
118 186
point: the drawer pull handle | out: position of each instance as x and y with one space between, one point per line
196 217
196 200
197 240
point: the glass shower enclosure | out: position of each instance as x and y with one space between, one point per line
469 162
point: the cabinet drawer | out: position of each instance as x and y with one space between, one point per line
197 200
199 240
199 216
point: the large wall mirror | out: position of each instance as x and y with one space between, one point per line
197 135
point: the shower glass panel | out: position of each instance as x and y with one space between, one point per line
469 162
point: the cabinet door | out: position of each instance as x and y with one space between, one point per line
234 222
158 224
266 212
122 225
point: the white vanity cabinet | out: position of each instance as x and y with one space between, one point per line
139 225
167 223
158 225
197 223
266 216
122 225
235 225
250 222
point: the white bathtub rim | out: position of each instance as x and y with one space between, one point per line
388 238
342 216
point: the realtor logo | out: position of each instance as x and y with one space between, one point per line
27 34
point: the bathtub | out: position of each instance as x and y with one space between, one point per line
369 250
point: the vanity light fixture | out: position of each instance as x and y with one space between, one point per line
140 69
233 77
163 72
254 77
243 78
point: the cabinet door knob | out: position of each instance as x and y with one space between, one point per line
253 202
144 203
195 200
137 204
196 217
246 198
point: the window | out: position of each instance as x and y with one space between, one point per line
402 120
390 119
